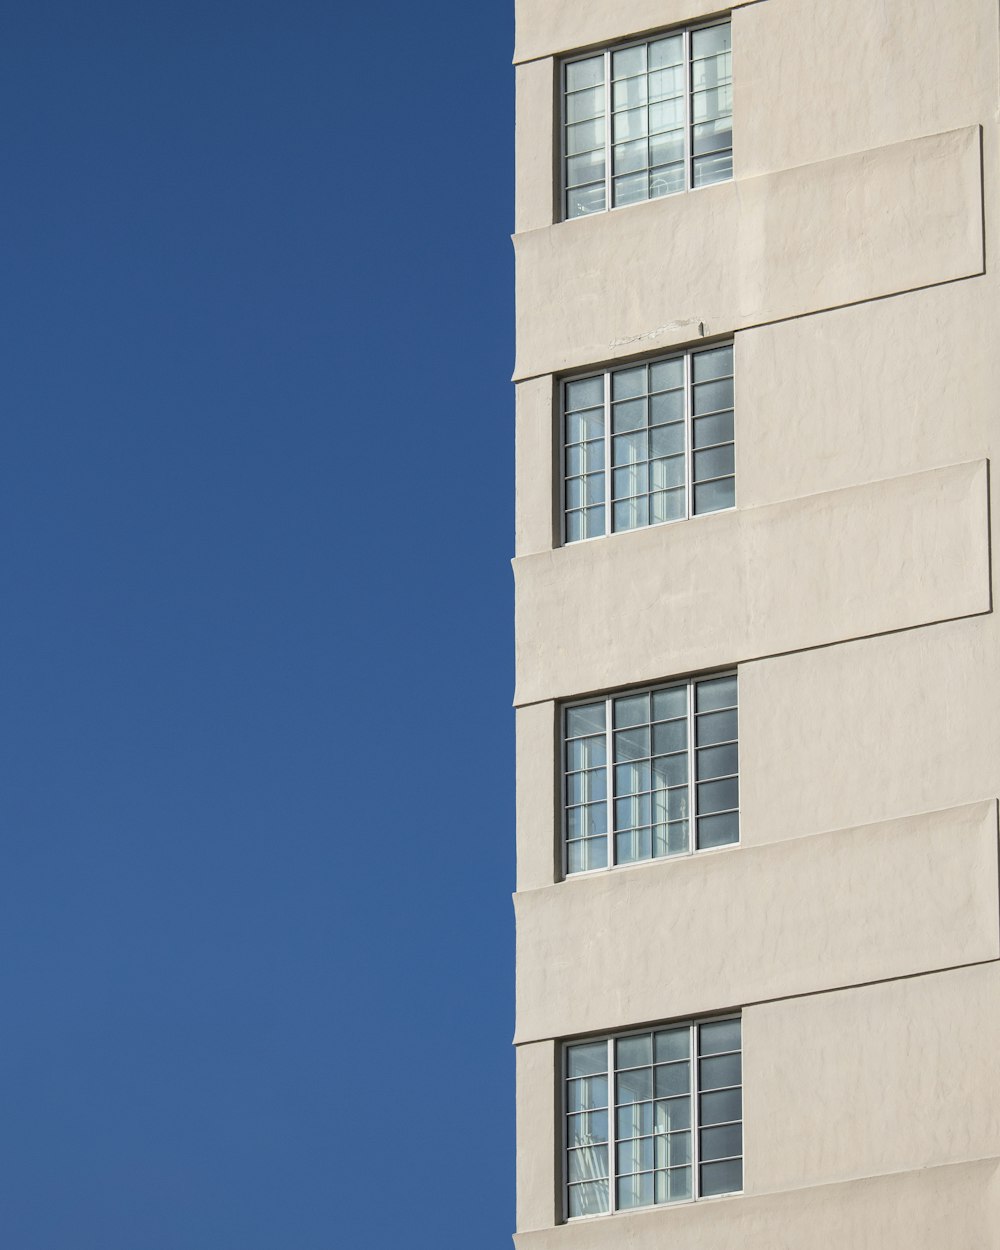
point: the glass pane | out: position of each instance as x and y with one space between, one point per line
636 1085
718 1036
585 169
630 93
589 1127
632 744
709 430
717 363
633 1052
583 105
715 496
588 719
713 136
584 201
630 415
587 855
714 727
670 805
628 383
594 522
671 839
710 40
667 148
634 1120
587 1059
673 1186
594 453
583 74
629 448
666 115
715 692
720 1070
669 737
721 1178
631 778
726 1104
711 169
667 180
672 1115
595 488
587 1093
670 770
670 704
635 1155
717 762
666 474
588 1199
673 1079
629 125
585 753
666 506
631 710
669 51
720 1143
672 1044
586 787
666 440
628 157
673 1150
633 846
587 1163
667 375
717 462
666 82
575 459
631 480
631 514
636 1191
574 492
631 189
628 61
588 821
585 137
711 103
718 796
581 426
710 71
633 812
718 830
713 396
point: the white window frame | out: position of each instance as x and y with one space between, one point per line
690 683
686 354
691 1023
723 19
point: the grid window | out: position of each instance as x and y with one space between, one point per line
644 769
654 1117
649 443
648 119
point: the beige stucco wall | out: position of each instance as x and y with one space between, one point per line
752 582
708 932
748 252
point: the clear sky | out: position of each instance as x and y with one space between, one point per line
256 484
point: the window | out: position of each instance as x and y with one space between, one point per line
677 1123
649 766
659 434
667 125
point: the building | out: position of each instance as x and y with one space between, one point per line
758 999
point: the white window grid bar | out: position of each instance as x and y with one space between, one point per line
689 123
611 795
694 1053
687 356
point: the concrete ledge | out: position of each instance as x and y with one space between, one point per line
749 252
945 1208
753 582
751 924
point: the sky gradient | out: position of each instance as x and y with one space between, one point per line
256 484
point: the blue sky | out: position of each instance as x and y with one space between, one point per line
256 483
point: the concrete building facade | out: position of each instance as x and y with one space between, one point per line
777 1028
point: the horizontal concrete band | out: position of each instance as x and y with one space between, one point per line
954 1206
749 252
559 26
757 923
754 582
